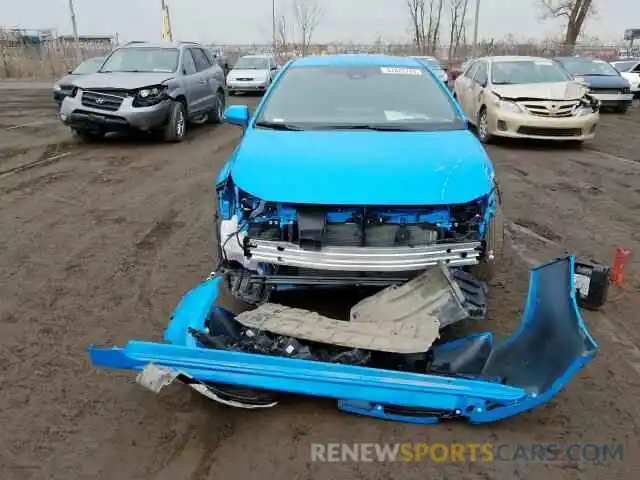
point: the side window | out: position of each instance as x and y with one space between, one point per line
188 64
201 60
636 69
480 75
471 69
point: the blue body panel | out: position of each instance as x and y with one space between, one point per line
338 167
362 168
364 390
609 81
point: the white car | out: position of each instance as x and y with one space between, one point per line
252 73
434 64
630 70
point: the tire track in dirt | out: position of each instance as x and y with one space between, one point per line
148 248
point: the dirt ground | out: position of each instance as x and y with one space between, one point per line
98 243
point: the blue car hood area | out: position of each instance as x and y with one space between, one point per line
472 378
362 167
606 81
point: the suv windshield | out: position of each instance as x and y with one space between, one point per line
582 66
88 66
142 59
526 71
367 97
252 63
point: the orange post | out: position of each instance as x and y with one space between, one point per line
617 269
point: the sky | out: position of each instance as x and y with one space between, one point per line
248 21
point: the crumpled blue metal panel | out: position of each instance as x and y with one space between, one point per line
550 346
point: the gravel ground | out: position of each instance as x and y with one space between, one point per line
98 243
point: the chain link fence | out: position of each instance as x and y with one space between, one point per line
46 59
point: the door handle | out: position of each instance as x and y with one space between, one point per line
204 82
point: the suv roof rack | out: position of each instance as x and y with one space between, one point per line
134 42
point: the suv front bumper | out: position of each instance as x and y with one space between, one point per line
74 114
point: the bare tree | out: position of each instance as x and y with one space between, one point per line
458 13
575 12
433 29
417 17
307 17
282 32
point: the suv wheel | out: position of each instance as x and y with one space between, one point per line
86 136
217 114
176 127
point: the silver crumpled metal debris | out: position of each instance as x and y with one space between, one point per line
400 319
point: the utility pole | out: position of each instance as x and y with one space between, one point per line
476 21
273 27
74 26
72 12
166 22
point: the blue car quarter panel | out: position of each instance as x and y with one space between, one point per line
468 378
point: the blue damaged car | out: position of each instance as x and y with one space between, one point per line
354 170
360 170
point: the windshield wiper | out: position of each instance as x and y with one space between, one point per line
365 126
279 126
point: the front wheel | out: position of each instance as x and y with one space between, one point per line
176 127
493 248
483 127
217 114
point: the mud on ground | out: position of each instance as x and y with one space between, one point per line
98 243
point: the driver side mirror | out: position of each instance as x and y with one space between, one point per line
237 115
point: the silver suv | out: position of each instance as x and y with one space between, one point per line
147 87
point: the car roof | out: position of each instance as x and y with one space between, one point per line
356 59
511 58
160 44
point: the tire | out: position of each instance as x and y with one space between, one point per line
483 128
494 243
87 136
176 127
217 114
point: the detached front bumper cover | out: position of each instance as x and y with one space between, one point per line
470 378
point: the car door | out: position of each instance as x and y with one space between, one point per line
476 93
205 80
191 83
464 87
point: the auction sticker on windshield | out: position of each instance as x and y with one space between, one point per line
401 71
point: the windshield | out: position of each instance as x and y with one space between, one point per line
526 71
142 59
88 66
394 98
581 66
252 63
625 66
